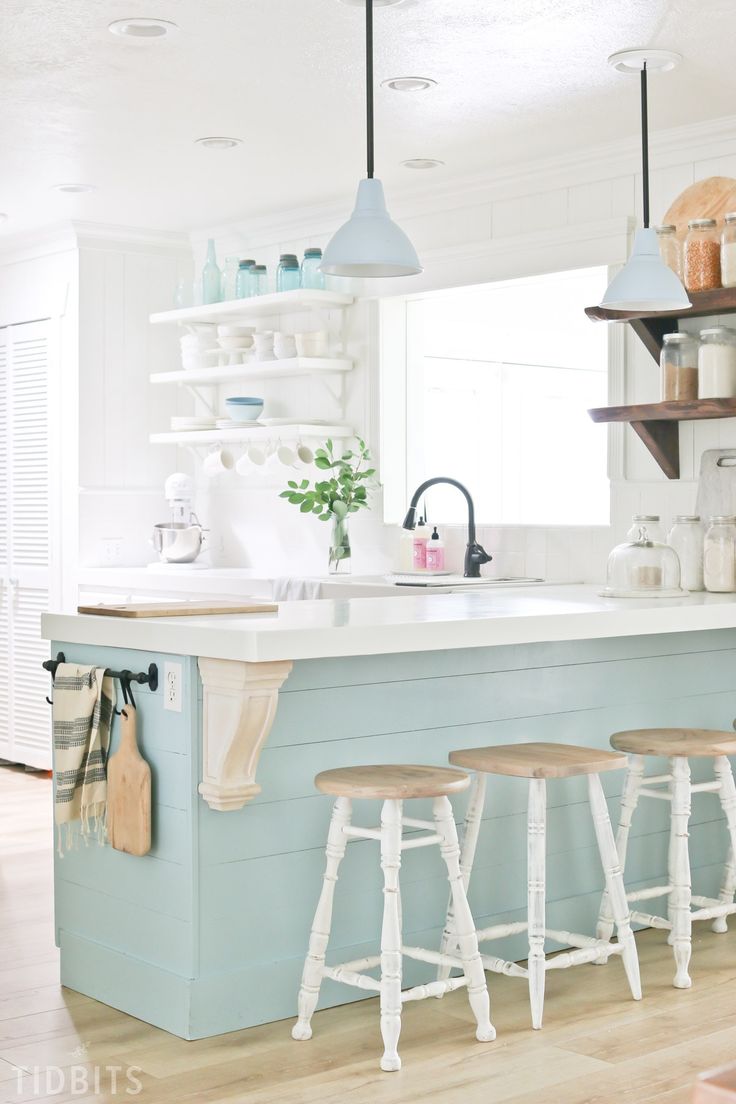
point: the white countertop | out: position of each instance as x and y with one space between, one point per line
374 626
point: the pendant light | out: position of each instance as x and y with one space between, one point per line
645 283
369 244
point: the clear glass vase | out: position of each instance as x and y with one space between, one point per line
340 562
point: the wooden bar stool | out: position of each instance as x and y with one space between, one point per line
538 762
394 785
679 745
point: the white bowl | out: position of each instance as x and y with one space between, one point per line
232 330
231 344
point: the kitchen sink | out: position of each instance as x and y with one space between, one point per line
382 586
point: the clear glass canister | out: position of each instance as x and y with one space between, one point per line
312 274
679 363
258 280
288 273
717 363
643 568
646 527
669 248
686 537
702 256
719 557
728 251
229 278
242 281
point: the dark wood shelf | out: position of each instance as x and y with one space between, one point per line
657 423
650 327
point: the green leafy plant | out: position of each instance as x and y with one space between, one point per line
343 492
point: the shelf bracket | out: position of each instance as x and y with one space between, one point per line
663 441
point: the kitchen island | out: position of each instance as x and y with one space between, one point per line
207 933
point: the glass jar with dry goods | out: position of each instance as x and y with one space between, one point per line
686 537
719 555
669 248
702 256
717 363
679 363
728 251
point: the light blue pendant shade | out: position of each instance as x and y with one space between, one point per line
369 244
646 283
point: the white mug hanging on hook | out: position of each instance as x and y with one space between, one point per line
253 459
218 462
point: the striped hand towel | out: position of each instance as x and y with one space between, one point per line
84 698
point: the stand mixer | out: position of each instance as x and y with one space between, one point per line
179 540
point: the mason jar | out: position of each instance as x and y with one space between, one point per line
717 363
670 249
702 256
679 364
719 555
728 251
686 537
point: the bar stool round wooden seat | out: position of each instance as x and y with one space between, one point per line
537 762
679 745
394 785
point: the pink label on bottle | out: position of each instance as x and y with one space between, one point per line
419 557
435 558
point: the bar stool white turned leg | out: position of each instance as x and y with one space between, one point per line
314 965
391 958
727 795
536 763
678 745
394 785
471 831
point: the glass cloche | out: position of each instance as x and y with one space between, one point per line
643 567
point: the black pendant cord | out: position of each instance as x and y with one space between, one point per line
645 144
369 85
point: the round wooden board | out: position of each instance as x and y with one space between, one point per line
713 197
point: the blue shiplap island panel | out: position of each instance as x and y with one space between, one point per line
207 934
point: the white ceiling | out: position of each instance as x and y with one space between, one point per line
517 80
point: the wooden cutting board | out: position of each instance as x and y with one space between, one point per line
713 197
717 484
129 792
180 609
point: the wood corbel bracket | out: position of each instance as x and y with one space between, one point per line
239 708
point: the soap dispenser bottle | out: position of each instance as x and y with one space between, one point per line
419 546
435 552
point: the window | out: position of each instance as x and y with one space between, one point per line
499 378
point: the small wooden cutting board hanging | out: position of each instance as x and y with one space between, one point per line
129 792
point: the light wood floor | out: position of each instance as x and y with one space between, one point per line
597 1046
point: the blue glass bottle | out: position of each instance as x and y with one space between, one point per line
242 281
288 275
312 275
211 277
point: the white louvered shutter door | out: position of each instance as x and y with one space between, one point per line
28 540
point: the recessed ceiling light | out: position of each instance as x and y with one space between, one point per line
422 163
219 143
73 189
142 29
409 84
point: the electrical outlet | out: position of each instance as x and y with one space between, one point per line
172 687
112 550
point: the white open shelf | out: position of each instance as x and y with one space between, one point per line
280 302
256 370
266 434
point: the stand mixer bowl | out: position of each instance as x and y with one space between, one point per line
176 542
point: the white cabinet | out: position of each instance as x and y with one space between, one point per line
26 355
